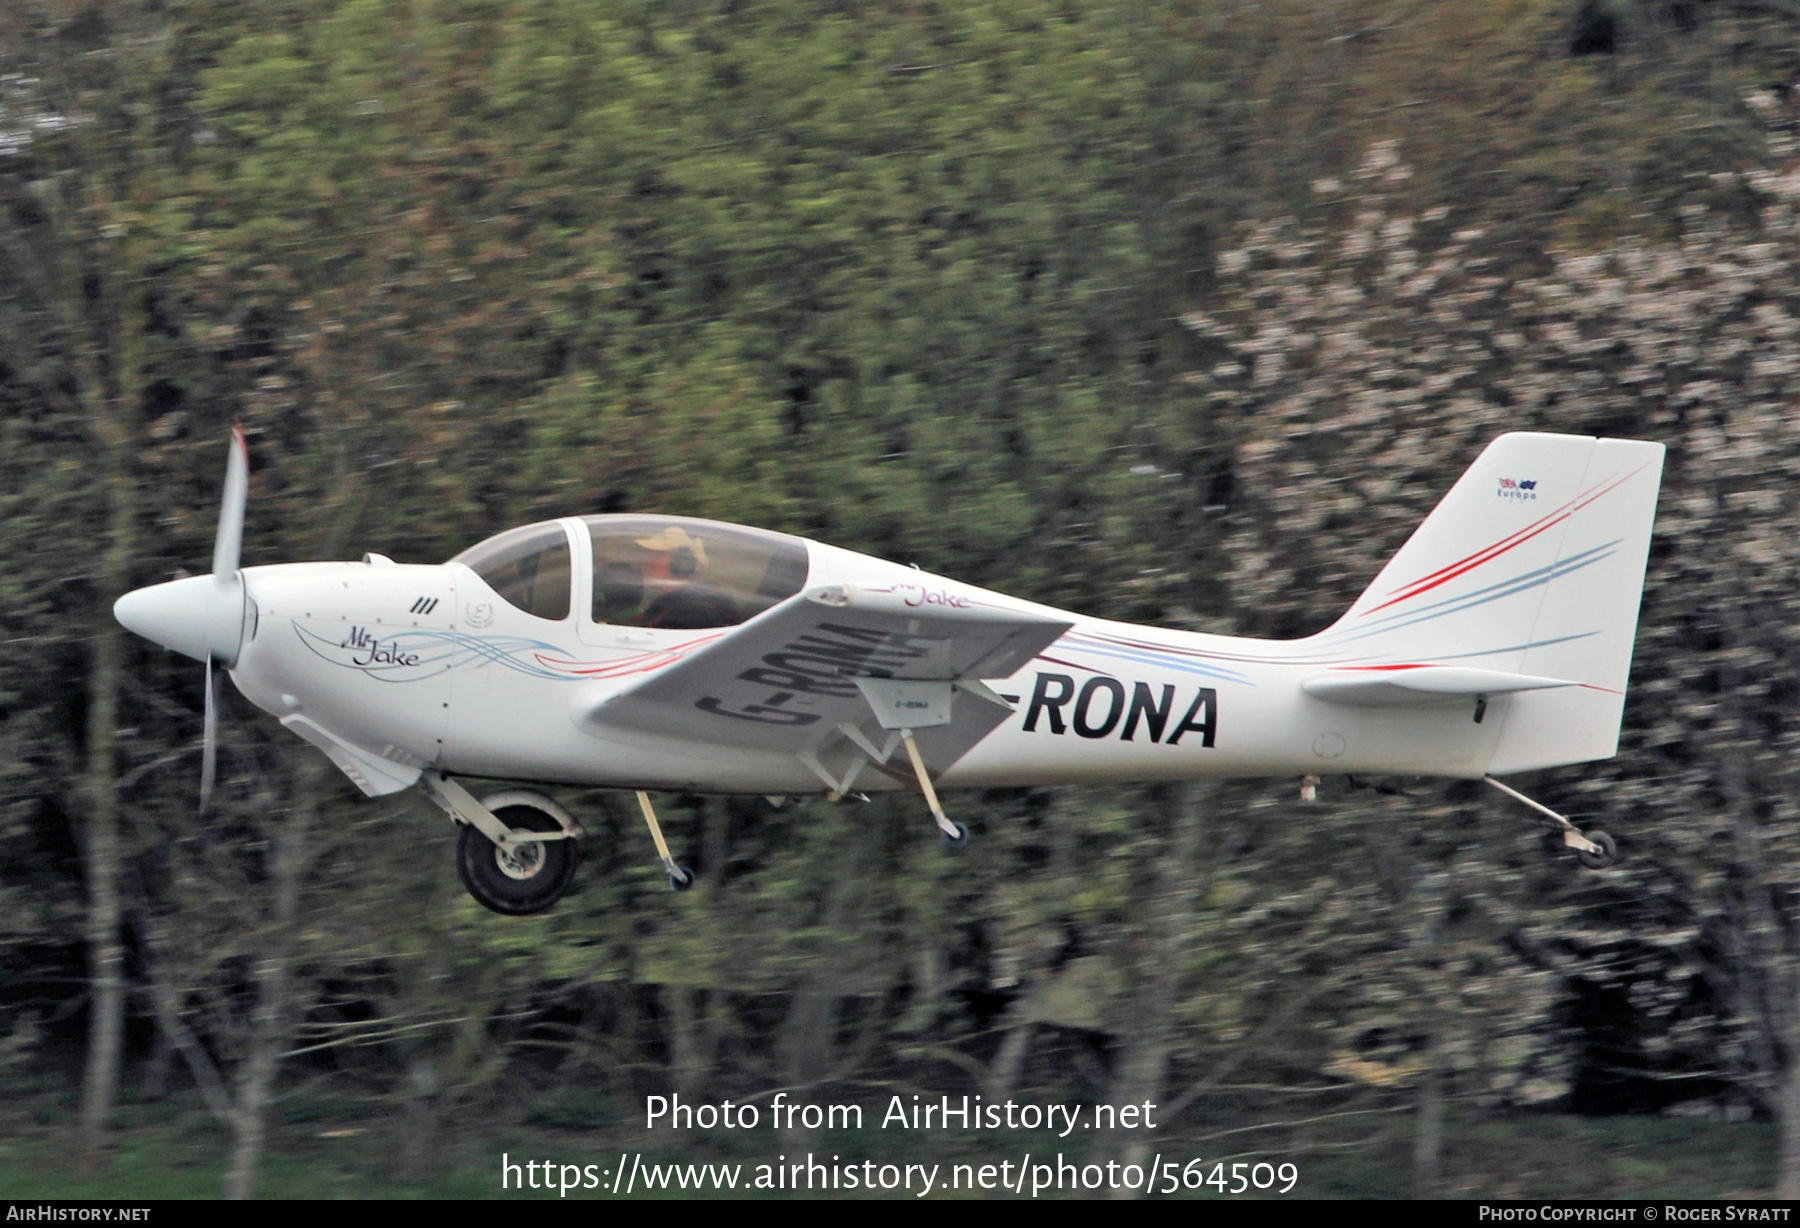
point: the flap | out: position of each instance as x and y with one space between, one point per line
1419 686
786 679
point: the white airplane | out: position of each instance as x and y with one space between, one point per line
649 652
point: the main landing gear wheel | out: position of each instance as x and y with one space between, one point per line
521 878
960 838
1608 854
683 880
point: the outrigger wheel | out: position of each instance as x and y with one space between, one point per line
1595 849
522 878
1607 854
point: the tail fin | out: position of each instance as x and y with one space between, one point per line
1532 564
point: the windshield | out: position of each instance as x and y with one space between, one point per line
688 575
528 567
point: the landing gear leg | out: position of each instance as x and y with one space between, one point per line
955 834
1595 849
680 877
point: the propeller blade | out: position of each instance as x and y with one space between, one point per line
209 746
231 508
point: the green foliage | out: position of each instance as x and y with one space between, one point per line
1129 309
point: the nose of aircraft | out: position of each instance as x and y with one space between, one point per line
198 617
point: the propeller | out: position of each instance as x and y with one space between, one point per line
209 743
228 588
204 617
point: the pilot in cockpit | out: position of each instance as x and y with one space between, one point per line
666 591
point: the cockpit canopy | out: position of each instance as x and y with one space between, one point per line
685 575
529 567
664 572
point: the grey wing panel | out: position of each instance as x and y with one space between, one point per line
785 681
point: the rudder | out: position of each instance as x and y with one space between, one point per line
1587 626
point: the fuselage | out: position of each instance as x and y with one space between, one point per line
442 666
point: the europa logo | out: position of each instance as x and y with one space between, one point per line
1514 489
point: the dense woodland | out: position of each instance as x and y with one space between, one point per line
1178 311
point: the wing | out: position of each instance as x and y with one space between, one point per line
787 679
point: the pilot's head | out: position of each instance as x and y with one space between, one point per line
686 553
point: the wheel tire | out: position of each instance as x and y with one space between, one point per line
1608 854
685 883
960 838
517 882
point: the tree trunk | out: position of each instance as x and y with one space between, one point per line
430 1060
111 417
1787 1181
106 954
1003 1073
1149 1041
1428 1125
271 1022
156 1074
165 1002
424 1085
1439 1003
808 1035
688 1067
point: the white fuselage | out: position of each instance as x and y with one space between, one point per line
427 666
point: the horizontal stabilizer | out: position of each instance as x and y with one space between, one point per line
1420 686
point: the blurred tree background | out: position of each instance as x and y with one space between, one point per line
1182 311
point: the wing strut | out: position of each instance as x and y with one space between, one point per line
955 833
902 705
679 878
